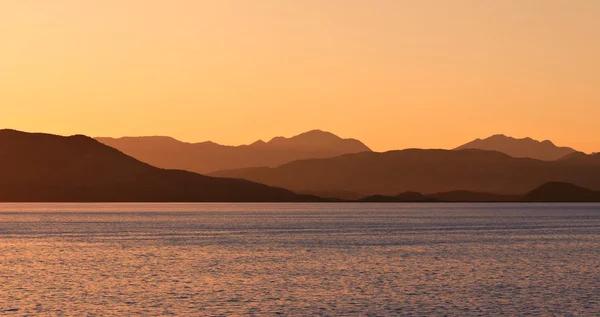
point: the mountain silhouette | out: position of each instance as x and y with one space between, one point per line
471 196
562 192
409 197
453 196
49 168
335 194
206 157
548 192
581 158
424 171
527 147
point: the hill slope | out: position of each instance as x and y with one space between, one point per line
549 192
43 167
581 158
424 171
206 157
562 192
527 147
409 197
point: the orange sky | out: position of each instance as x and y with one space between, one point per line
393 73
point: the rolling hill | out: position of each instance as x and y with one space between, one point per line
38 167
423 171
549 192
562 192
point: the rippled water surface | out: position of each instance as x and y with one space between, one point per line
299 259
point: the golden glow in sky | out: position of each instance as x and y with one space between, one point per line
392 73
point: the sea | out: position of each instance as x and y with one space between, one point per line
327 259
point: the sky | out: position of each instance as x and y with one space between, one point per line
392 73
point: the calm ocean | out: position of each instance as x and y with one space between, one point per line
299 259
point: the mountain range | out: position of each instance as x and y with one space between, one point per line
424 171
38 167
44 167
548 192
210 157
527 147
206 157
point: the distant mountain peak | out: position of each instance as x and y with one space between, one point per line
159 138
206 157
317 132
309 136
258 143
526 147
548 142
319 140
277 139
